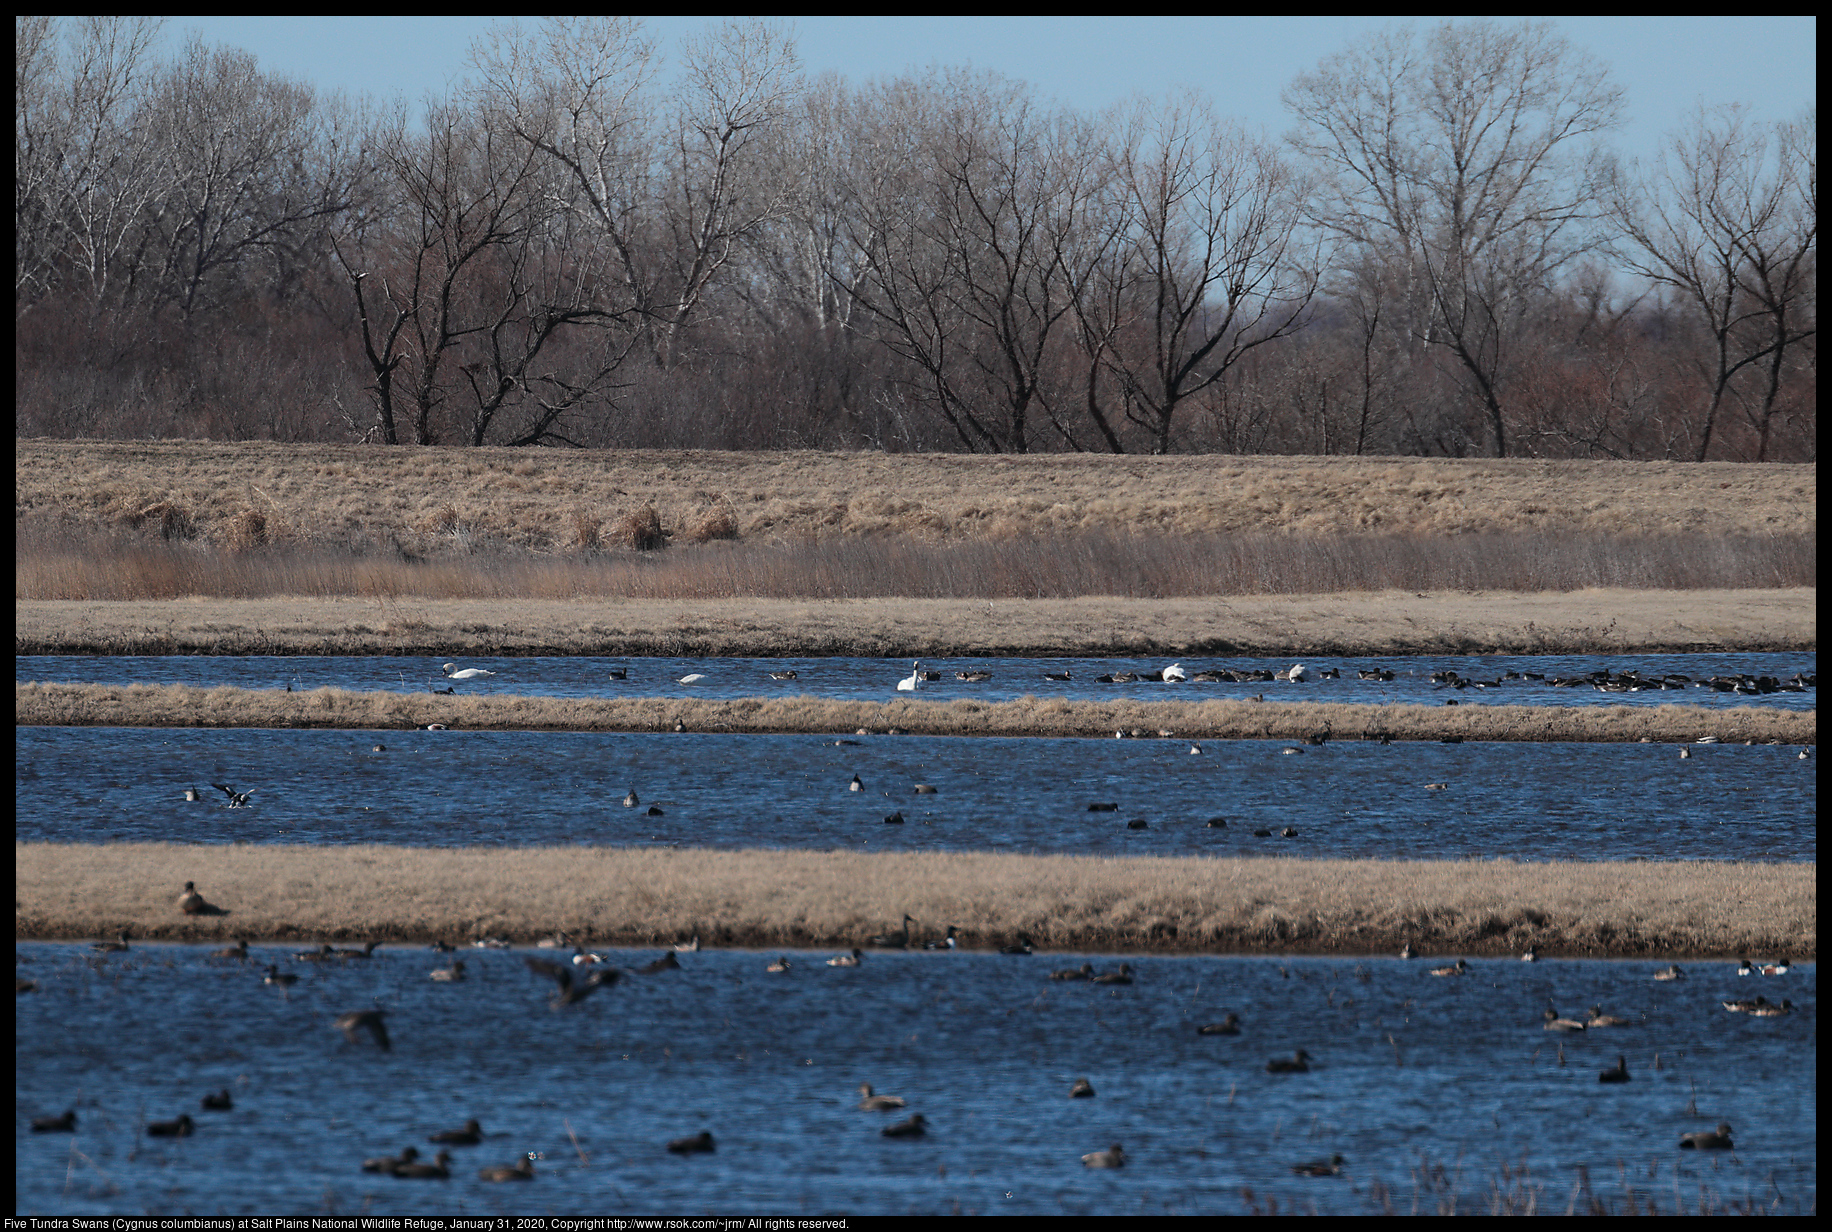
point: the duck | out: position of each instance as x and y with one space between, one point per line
787 674
193 795
974 677
1227 1026
688 947
869 1102
367 951
1708 1140
1556 1023
1771 1010
619 673
915 1127
1082 1089
908 683
1405 951
364 1020
111 947
948 942
219 1102
274 976
700 1144
1775 968
470 1135
1057 676
1599 1019
438 1170
521 1170
1299 1064
238 950
1113 1157
898 940
237 799
65 1124
571 991
554 941
1459 968
631 800
318 955
1122 976
1747 1005
1618 1074
855 785
1745 967
847 960
1670 972
1024 945
1321 1167
1531 955
781 965
469 673
1083 972
388 1163
453 974
667 962
183 1127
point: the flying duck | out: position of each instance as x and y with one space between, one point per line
572 991
363 1020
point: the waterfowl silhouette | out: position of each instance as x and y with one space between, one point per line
974 677
1670 972
441 947
877 1103
1775 968
1113 1157
1745 1006
1405 951
619 673
1138 823
555 941
1295 673
915 1127
667 962
219 1102
1321 1167
274 976
65 1124
895 819
1174 674
438 1170
1708 1140
1122 976
700 1144
21 985
367 951
693 678
780 965
688 947
855 785
111 947
847 960
1083 972
908 684
1745 967
784 675
584 958
572 991
470 1135
237 799
181 1128
1555 1023
1104 808
1057 676
899 940
1082 1089
946 943
925 789
1459 968
318 955
1599 1019
1227 1026
388 1163
238 950
364 1020
1024 945
631 800
1299 1064
1618 1074
193 795
521 1170
1532 954
1771 1010
469 673
453 974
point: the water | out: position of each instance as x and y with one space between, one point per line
1457 1072
856 679
1345 799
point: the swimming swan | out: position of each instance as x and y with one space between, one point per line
469 673
908 684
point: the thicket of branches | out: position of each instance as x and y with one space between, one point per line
1441 257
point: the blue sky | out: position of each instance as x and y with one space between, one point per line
1668 65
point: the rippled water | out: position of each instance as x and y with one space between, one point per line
1456 1072
1345 799
858 679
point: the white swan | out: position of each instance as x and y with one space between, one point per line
1175 673
1297 673
908 685
469 673
693 678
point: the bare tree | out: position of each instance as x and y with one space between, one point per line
1459 162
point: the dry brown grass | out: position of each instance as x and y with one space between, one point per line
91 705
1389 623
803 898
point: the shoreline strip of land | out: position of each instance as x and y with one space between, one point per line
810 899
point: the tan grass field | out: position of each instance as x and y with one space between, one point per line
612 896
1385 623
91 705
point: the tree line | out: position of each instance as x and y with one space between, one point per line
1441 257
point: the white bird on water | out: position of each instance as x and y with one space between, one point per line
908 685
1175 673
469 673
693 678
1297 673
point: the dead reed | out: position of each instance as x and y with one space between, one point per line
806 898
72 705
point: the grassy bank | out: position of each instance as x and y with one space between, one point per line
68 705
793 898
1385 623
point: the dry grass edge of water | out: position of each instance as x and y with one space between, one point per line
641 897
